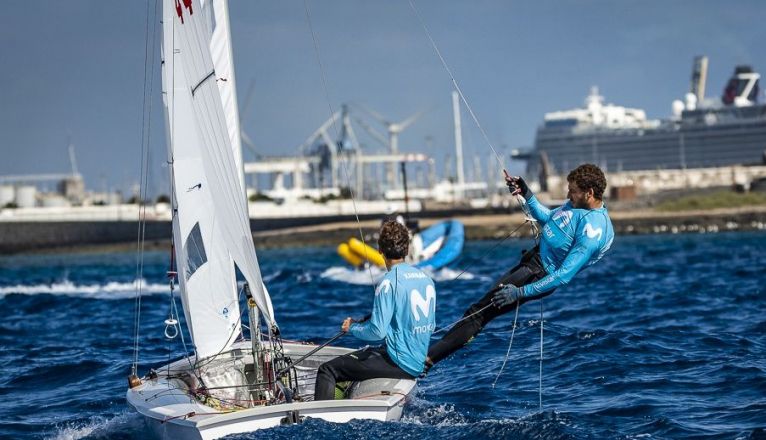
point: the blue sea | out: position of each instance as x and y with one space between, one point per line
665 338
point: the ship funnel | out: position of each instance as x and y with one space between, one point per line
699 77
742 89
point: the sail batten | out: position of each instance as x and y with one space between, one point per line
210 222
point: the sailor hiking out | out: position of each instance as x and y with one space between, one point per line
573 237
403 315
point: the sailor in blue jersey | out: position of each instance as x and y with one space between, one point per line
403 315
573 237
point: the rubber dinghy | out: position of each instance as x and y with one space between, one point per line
431 249
230 384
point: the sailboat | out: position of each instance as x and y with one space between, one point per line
229 384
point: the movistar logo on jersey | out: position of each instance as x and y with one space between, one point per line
422 306
592 232
383 287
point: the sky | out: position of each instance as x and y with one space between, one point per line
76 69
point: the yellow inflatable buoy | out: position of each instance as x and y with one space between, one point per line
367 252
356 253
353 259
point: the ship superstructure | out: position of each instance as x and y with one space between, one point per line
701 133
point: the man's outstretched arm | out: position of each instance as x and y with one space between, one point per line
517 186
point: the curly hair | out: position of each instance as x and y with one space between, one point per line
394 240
589 176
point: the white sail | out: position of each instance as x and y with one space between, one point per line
217 12
210 223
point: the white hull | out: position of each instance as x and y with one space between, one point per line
167 408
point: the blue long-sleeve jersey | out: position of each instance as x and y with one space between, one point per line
404 314
571 240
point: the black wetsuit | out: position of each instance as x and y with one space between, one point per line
367 363
529 270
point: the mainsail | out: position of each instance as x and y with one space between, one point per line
211 227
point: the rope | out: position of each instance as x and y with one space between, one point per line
510 344
541 357
490 251
449 327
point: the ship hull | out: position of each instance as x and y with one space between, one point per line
699 140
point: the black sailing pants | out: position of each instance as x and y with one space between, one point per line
367 363
529 270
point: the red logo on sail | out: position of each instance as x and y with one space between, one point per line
179 11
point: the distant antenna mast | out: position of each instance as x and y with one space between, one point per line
699 77
458 145
72 160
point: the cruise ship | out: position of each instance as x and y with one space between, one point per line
701 133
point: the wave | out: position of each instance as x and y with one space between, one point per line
447 274
109 290
373 275
125 425
349 275
422 412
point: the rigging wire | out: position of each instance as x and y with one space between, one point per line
529 220
335 128
144 172
524 207
174 203
454 82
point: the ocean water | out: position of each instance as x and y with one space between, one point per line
665 338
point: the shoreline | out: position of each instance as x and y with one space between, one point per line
499 226
477 227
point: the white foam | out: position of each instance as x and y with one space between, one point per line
109 290
362 276
98 425
439 415
269 277
447 274
348 275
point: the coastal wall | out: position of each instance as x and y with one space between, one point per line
31 236
18 237
500 226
